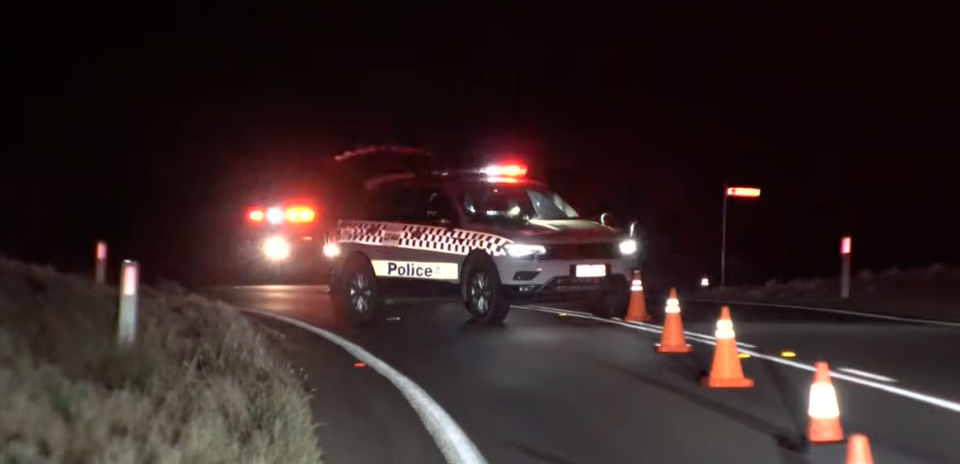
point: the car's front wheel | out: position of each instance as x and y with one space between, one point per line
482 291
357 294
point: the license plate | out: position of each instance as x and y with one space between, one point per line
591 270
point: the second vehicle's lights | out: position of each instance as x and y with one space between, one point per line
331 250
300 214
275 215
628 247
276 248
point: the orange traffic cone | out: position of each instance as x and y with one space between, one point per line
637 310
726 371
672 340
823 410
858 450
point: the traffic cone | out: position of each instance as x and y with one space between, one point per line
726 371
637 310
823 410
673 340
858 450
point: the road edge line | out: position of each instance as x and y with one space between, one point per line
452 441
831 310
902 392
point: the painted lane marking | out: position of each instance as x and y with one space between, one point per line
449 437
836 311
639 324
921 397
867 375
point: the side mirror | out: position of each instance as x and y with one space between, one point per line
608 220
632 228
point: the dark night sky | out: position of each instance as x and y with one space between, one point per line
141 126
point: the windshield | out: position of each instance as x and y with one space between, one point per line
515 202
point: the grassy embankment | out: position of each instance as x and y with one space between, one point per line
202 385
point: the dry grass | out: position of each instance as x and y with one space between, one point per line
928 293
201 386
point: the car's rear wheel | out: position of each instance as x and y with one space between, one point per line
614 301
483 293
357 295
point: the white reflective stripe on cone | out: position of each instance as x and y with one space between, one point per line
823 401
673 306
724 329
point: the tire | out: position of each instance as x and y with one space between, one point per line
483 294
357 295
614 301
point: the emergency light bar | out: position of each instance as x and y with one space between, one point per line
276 215
505 170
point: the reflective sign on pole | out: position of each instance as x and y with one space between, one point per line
744 192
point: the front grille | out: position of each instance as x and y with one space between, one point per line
569 251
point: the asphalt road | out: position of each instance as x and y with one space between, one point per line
546 388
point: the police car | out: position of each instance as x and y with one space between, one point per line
493 235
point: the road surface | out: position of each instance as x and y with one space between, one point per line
571 389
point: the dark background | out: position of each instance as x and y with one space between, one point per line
148 127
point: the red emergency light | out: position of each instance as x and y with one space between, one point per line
744 192
505 170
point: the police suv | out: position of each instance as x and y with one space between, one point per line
493 235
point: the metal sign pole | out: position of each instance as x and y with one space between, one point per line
723 240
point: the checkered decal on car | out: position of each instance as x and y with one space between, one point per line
431 238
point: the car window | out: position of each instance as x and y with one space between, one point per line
511 202
391 203
432 206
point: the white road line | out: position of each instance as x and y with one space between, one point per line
691 334
830 310
923 398
638 324
449 437
322 288
866 374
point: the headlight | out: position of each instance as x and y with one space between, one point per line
276 248
518 250
628 247
331 250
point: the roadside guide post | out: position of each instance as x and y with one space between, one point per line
100 268
741 192
127 321
846 248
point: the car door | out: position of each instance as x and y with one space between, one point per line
423 254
